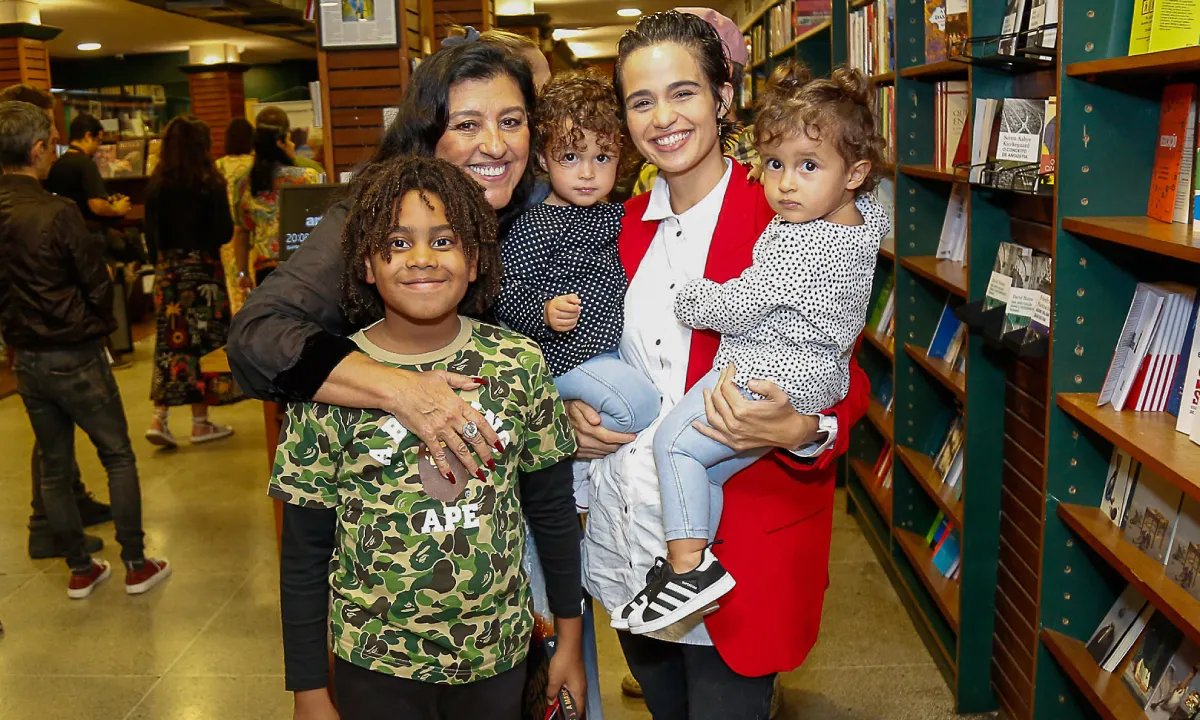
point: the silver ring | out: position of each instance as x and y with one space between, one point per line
470 431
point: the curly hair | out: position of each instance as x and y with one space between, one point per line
571 103
377 193
838 107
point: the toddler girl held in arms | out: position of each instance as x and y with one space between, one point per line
791 318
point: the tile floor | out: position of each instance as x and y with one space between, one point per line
206 644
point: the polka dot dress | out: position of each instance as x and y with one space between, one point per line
794 315
555 250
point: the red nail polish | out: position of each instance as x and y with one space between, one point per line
481 381
499 446
491 464
450 477
479 474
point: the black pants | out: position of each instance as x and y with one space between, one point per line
367 695
62 389
692 682
37 519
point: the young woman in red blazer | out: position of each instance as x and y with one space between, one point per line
673 80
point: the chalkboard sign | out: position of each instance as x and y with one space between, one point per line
300 211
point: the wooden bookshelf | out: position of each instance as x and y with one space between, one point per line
856 4
888 169
880 418
1175 240
1147 575
946 273
941 371
887 247
757 65
886 78
932 172
936 71
757 14
881 497
921 466
943 590
1167 62
881 342
1104 691
810 32
1149 437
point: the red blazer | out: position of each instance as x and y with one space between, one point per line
778 515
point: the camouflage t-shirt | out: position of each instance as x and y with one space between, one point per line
426 576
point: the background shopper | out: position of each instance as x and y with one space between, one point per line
234 167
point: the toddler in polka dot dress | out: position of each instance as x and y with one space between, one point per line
564 285
791 318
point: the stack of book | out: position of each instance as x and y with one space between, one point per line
885 119
1164 25
1173 184
1013 143
1021 283
951 106
947 549
791 18
948 463
756 40
882 318
948 341
870 30
1148 371
952 245
883 468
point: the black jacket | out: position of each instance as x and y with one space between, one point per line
189 220
55 290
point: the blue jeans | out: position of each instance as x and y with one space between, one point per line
626 400
692 468
62 389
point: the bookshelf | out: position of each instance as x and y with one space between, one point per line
814 45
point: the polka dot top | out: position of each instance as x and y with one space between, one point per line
794 315
555 250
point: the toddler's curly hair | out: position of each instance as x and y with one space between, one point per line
837 108
376 194
570 103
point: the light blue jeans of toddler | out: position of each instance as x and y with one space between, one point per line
693 468
625 398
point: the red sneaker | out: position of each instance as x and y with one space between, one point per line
82 584
152 572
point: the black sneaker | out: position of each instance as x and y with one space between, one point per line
620 616
92 511
43 544
677 595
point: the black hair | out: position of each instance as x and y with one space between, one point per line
693 33
82 125
271 128
239 137
425 109
377 192
36 97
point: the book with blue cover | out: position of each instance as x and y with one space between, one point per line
943 336
1175 399
947 556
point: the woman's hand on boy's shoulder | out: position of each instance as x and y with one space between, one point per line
314 705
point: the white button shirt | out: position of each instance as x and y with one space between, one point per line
624 528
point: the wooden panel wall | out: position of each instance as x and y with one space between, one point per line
217 98
23 60
479 14
1023 491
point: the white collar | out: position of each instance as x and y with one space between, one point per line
659 207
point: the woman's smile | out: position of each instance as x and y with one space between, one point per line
672 142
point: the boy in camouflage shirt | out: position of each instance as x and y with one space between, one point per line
430 614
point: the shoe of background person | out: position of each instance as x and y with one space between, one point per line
120 361
212 431
142 577
162 437
678 595
92 511
630 686
620 617
82 584
43 544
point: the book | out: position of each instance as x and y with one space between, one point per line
1118 485
1189 387
1159 643
957 26
129 159
950 449
1174 24
1019 144
105 158
1184 561
1037 16
1048 37
885 195
1130 348
937 523
1022 296
1039 323
1049 135
948 554
952 106
1016 18
954 475
1139 31
1120 622
1146 391
944 333
1176 121
1172 686
1152 515
952 244
1185 190
886 293
981 133
935 30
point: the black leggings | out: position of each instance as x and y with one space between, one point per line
367 695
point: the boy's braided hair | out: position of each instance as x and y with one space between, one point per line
377 193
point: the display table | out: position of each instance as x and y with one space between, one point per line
218 362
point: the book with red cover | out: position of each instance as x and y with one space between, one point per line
1177 105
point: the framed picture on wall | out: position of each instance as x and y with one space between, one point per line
358 24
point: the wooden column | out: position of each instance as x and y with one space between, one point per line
23 55
218 96
356 86
479 14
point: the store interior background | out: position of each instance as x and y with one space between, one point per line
208 644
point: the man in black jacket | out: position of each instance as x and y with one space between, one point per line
55 311
42 542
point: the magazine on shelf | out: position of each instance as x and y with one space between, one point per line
1160 641
1118 485
952 244
1010 259
1119 629
943 335
1019 144
1167 697
1152 515
948 554
1184 563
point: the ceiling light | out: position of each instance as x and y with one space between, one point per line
88 47
514 7
591 50
563 34
629 12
